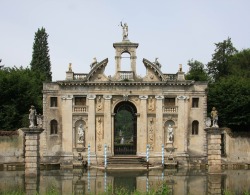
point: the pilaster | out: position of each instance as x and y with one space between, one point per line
182 129
90 137
159 131
107 123
67 135
142 132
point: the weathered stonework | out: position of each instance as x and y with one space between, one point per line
94 99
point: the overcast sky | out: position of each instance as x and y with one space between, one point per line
172 30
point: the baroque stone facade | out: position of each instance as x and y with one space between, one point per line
124 111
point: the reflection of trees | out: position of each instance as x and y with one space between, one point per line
124 122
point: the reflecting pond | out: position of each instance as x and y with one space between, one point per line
93 181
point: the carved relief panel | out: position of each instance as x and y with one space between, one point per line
99 104
151 104
99 132
151 132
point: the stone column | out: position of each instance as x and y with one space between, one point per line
32 158
142 130
159 131
214 149
91 135
107 123
214 160
67 128
180 138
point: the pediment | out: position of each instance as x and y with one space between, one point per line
153 71
97 72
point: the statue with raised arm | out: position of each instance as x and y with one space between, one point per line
32 116
124 31
214 115
81 134
170 133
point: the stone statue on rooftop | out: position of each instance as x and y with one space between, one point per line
32 116
93 63
124 31
157 63
214 115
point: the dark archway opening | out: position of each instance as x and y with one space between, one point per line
125 129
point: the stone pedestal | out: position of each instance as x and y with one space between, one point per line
214 150
214 160
32 158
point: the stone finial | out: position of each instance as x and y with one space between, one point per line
70 67
180 67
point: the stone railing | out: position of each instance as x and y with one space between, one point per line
126 75
170 109
80 109
80 76
170 77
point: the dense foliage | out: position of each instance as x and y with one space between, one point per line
19 89
22 87
196 71
228 74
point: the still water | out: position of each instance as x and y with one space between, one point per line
93 181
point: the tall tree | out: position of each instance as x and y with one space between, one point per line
219 66
40 62
196 71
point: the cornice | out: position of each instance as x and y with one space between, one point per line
120 83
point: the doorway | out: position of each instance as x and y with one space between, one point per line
125 129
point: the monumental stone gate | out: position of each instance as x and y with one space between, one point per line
125 112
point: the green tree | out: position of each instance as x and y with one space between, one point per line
196 71
40 62
240 63
220 64
231 97
18 88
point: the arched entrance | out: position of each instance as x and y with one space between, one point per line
125 129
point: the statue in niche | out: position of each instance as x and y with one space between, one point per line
170 133
81 134
124 31
151 105
99 103
32 116
214 115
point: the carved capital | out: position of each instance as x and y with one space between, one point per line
143 97
67 97
181 97
159 97
107 97
91 96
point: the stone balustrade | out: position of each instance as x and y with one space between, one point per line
80 109
170 109
123 75
79 76
170 77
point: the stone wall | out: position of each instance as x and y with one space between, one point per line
11 148
236 147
